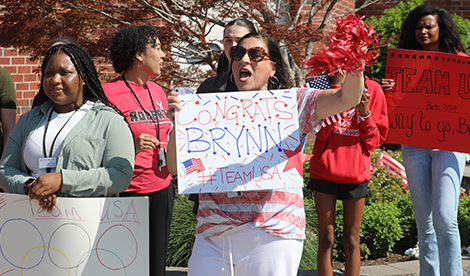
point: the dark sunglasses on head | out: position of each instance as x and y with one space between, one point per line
255 53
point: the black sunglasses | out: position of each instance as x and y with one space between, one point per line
255 54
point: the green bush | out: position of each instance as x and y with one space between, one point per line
407 224
384 187
307 193
464 220
338 248
381 228
310 250
183 228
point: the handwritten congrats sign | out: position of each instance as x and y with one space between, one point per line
238 142
82 236
429 104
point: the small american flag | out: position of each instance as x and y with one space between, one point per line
192 165
320 82
393 166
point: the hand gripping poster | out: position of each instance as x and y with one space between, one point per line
240 141
429 104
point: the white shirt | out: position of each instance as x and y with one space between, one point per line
33 149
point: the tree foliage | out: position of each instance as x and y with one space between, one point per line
31 25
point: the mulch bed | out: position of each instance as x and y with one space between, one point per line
392 258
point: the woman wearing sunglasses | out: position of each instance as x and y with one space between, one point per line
258 232
233 32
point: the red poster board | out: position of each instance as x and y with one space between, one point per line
429 105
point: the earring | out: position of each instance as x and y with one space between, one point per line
274 80
231 78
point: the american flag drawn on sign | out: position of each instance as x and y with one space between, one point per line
193 164
322 83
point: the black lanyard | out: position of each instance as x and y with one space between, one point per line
146 112
57 135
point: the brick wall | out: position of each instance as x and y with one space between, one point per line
25 75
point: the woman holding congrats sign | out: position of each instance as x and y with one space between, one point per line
258 232
434 176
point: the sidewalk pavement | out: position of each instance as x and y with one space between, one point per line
408 268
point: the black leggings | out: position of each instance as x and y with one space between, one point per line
160 212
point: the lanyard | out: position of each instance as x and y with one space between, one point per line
146 112
57 135
160 161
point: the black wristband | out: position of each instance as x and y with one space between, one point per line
26 187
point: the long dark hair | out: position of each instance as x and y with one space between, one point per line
279 80
223 64
85 67
449 39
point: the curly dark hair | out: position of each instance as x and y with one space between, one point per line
449 39
129 41
85 67
276 58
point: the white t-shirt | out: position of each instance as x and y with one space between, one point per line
33 150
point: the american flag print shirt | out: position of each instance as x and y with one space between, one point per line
278 212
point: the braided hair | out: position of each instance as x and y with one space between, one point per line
84 65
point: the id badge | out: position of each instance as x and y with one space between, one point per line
234 194
162 156
49 162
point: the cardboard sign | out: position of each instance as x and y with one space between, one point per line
239 141
82 236
429 104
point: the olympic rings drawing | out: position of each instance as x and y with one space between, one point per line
53 246
136 247
43 245
25 255
96 249
79 226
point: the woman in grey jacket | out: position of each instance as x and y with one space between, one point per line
75 143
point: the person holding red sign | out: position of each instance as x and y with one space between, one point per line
340 169
434 176
258 232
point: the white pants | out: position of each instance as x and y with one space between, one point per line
250 252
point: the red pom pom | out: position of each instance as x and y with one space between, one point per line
352 46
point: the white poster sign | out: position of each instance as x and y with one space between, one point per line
240 141
81 236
